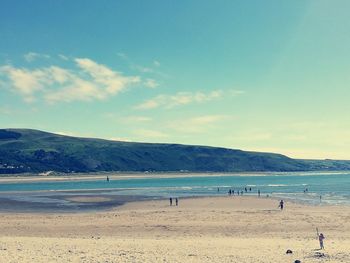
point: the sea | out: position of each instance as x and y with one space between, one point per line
315 188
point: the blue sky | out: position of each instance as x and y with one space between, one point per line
254 75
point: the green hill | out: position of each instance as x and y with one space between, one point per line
24 150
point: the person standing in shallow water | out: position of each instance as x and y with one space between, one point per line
281 205
171 201
176 201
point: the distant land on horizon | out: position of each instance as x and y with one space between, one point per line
34 151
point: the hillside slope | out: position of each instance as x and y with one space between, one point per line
24 150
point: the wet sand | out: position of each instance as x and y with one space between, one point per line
64 201
212 229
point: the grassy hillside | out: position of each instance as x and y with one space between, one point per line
23 150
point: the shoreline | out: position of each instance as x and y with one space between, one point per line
143 175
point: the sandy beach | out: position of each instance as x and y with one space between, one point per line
211 229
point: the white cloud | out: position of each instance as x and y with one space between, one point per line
87 81
113 81
79 89
24 81
180 98
31 56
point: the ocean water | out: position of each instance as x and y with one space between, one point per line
334 188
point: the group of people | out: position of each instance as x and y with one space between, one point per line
232 192
176 201
240 192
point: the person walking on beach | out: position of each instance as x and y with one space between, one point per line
176 201
171 201
281 204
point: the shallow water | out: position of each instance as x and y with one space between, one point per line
334 188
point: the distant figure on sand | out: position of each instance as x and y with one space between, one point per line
245 189
250 189
259 192
107 178
320 238
281 204
229 192
176 201
171 201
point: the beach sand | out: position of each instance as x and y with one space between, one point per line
211 229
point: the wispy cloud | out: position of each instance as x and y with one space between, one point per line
137 119
197 124
31 56
134 66
180 98
63 57
151 83
87 81
152 68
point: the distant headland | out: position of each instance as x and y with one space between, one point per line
34 151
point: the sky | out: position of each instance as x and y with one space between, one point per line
257 75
